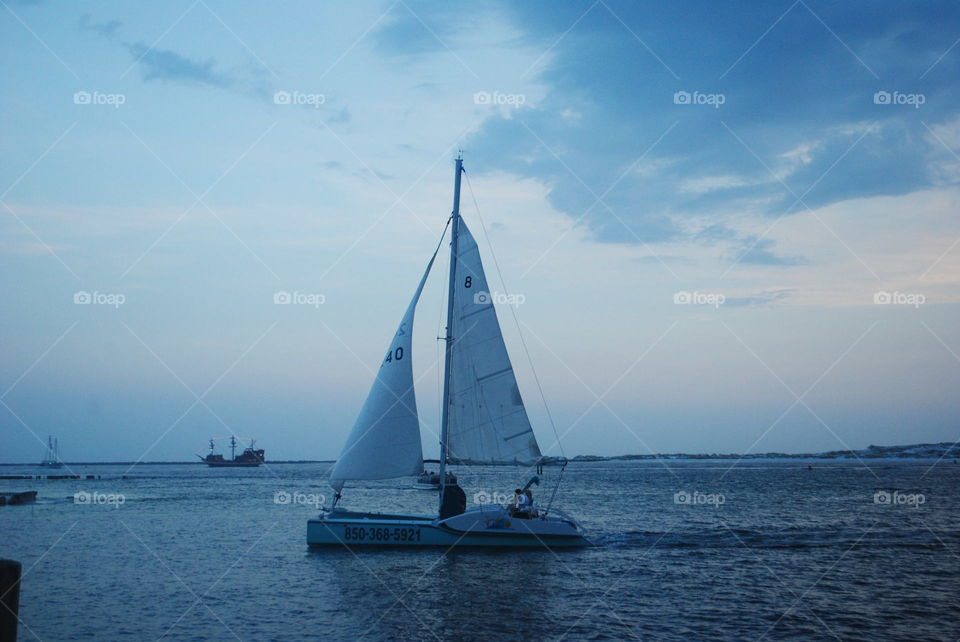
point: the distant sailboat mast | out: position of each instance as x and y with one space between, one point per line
454 238
51 458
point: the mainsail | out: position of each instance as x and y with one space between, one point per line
385 440
487 419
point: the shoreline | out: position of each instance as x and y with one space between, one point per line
845 456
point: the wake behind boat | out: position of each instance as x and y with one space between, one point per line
483 420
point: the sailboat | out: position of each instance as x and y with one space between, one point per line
483 421
51 458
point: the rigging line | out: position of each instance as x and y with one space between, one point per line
443 234
513 312
556 487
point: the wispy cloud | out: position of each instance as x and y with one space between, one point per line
169 66
760 252
760 298
418 30
106 29
786 120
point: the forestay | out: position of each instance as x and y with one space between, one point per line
385 440
488 421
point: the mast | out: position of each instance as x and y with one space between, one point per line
448 354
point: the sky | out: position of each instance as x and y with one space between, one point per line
725 226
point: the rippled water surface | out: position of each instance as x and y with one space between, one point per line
765 550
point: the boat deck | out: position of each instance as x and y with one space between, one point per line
351 515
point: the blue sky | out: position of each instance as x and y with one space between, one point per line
733 225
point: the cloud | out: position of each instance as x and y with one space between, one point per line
760 298
748 250
160 64
408 32
799 124
167 65
103 29
753 251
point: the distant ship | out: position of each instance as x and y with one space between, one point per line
51 458
249 458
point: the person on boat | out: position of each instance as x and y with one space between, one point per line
513 505
531 511
521 505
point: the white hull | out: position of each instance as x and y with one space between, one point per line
485 526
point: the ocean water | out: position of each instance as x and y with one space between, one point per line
684 550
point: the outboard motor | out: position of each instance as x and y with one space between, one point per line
454 502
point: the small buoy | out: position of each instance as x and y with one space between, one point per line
809 467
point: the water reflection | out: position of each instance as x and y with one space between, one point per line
463 593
